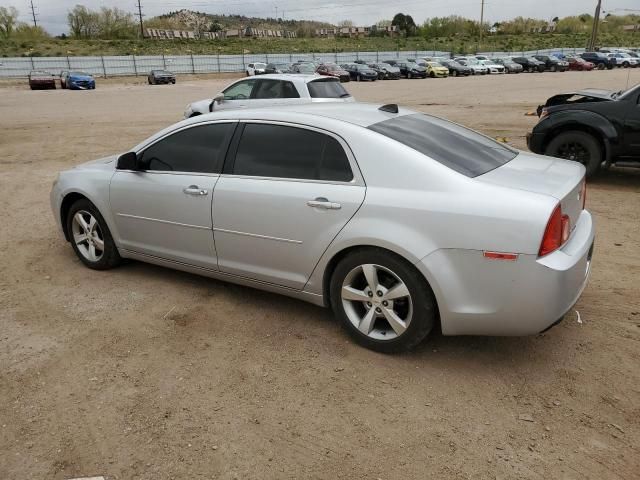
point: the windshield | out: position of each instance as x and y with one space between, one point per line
472 61
306 68
327 88
79 74
259 65
463 150
554 58
434 64
332 67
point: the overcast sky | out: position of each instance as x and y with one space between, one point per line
52 13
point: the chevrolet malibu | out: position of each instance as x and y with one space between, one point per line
397 220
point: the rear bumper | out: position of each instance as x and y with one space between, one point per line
477 296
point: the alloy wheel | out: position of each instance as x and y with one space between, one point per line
377 302
87 236
574 151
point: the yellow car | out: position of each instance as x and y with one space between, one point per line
434 69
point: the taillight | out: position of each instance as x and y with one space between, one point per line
556 233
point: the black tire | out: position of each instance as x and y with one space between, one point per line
358 78
454 73
425 311
553 68
626 64
432 75
584 142
110 257
409 75
530 69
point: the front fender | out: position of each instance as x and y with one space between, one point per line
578 118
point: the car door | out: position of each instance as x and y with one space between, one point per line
285 193
237 95
163 208
632 126
272 91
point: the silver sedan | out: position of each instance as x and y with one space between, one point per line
397 220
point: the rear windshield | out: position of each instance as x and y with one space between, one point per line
463 150
327 89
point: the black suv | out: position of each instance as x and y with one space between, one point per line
553 63
530 64
600 60
590 126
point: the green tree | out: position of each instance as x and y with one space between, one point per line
8 20
404 23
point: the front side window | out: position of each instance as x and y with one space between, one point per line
198 149
239 91
274 89
463 150
288 152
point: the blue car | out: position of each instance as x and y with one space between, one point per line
77 80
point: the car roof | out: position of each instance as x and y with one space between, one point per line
291 77
362 114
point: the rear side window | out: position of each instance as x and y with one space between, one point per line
327 89
198 149
456 147
289 152
274 89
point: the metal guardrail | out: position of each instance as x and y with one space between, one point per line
107 66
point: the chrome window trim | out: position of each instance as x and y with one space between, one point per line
168 134
357 180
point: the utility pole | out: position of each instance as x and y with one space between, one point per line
481 19
33 14
140 17
594 30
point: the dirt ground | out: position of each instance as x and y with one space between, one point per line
147 373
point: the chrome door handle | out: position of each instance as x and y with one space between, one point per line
323 203
195 190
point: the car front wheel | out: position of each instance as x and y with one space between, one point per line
383 302
90 237
579 147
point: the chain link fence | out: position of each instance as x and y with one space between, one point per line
108 66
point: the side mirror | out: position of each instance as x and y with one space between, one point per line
127 161
217 99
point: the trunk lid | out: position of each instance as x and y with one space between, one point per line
558 178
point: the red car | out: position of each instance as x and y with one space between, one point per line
333 70
39 79
577 63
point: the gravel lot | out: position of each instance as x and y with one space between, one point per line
147 373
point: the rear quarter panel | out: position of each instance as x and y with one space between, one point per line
415 206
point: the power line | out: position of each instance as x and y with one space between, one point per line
33 14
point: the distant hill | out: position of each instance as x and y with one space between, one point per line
198 21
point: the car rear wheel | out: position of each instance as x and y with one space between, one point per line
454 73
553 68
90 236
384 302
579 147
625 64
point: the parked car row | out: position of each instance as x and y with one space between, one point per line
433 67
